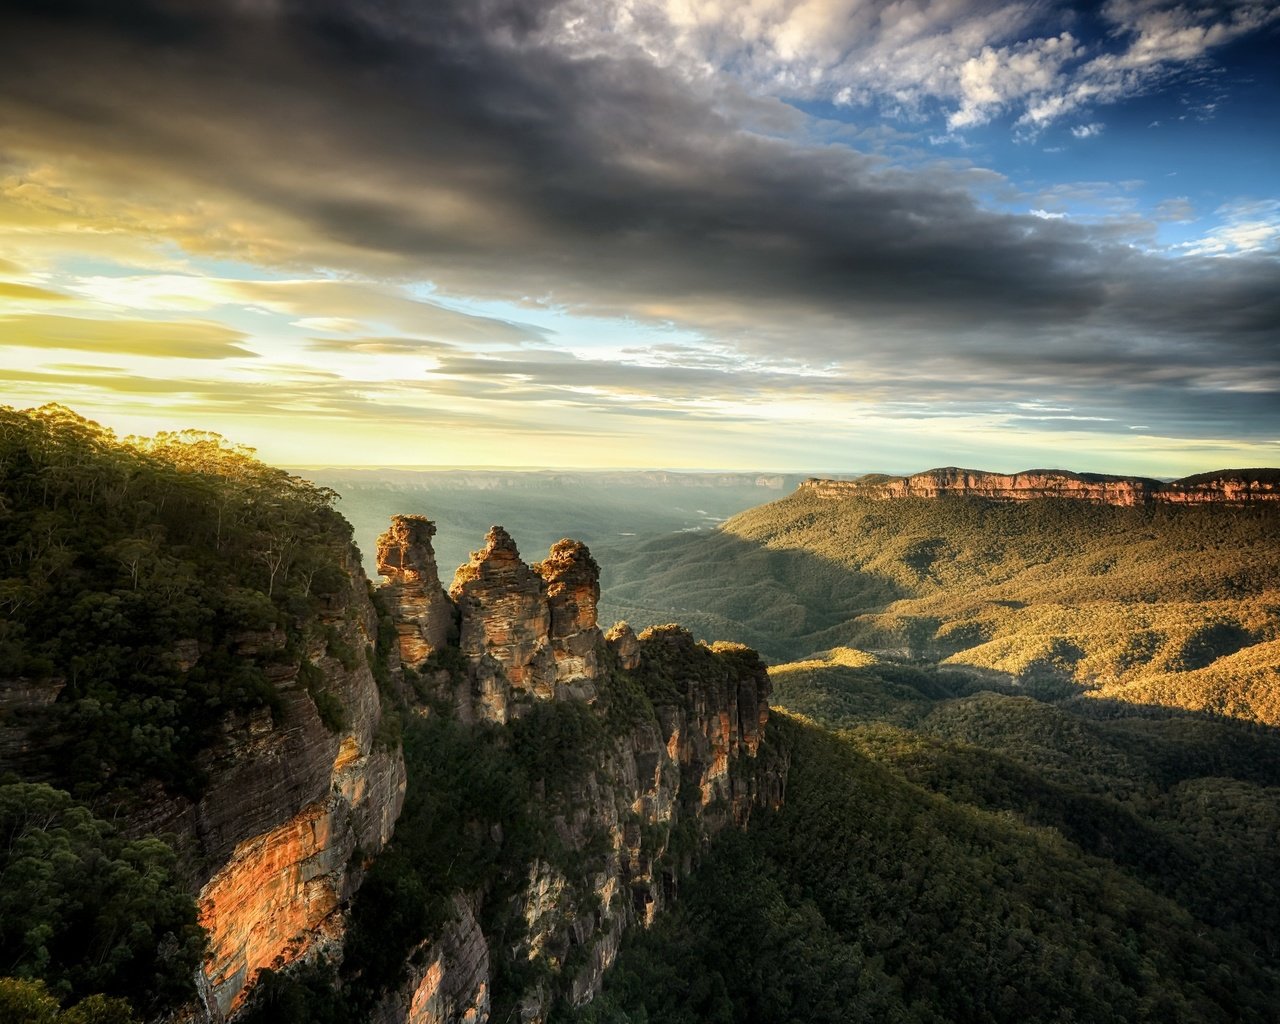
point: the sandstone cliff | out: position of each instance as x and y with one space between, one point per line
424 615
293 805
676 737
1232 487
294 808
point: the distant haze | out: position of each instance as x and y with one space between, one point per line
610 511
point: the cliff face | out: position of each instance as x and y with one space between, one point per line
682 757
526 632
293 805
1232 487
424 616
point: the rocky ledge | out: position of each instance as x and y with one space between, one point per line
688 760
1226 487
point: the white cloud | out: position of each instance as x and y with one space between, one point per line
323 304
1244 228
979 59
1087 131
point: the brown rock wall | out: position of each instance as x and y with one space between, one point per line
573 591
1232 487
504 621
451 983
270 844
423 612
527 632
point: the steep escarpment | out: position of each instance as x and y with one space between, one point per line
1231 486
206 709
625 755
293 810
188 652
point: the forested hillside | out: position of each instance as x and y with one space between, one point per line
133 576
948 853
1160 605
907 880
1035 774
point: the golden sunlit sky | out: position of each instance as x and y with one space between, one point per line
828 235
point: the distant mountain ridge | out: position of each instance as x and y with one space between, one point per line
1224 486
347 477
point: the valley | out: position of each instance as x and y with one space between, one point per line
997 759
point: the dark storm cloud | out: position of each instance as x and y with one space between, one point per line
459 142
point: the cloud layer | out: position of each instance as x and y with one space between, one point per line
630 160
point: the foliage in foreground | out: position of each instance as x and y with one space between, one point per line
113 556
872 898
88 912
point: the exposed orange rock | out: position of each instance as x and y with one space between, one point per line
573 591
424 615
528 632
272 838
279 893
1231 487
622 641
265 906
1226 486
449 982
504 620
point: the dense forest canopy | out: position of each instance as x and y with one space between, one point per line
126 559
130 570
1173 606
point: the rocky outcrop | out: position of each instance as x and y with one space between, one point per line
526 632
1232 487
1226 487
21 704
504 621
624 644
294 810
294 807
572 578
449 980
424 615
661 790
680 755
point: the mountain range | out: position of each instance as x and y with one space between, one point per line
1004 754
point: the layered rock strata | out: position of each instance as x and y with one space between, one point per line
525 632
504 623
1229 487
573 591
296 809
448 977
688 763
424 615
278 841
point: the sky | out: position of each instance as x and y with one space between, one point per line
805 235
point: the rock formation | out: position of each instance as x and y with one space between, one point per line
526 632
573 591
688 763
271 842
448 979
624 644
423 613
1231 487
504 623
